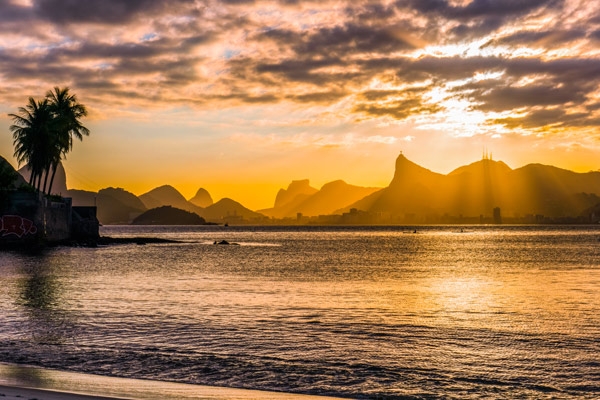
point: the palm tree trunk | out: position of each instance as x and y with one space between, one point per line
55 166
38 178
46 181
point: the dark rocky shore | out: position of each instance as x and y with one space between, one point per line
107 240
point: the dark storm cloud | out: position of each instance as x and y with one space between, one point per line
303 70
319 97
342 40
238 2
377 95
251 57
508 98
398 110
132 50
595 35
476 19
397 104
477 28
101 11
370 12
353 38
446 68
10 12
547 39
242 97
555 84
580 71
555 117
478 8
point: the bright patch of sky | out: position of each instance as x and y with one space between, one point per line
149 37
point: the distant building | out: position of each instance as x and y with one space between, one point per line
497 216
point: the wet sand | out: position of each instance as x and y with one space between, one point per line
19 382
18 393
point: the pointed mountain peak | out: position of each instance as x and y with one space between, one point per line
60 180
403 162
202 198
165 195
408 169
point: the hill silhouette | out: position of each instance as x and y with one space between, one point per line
118 206
475 189
228 210
415 194
115 205
82 197
167 215
296 192
202 198
167 195
412 190
301 198
10 177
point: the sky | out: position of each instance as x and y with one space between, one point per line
241 97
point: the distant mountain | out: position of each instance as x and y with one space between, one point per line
412 189
115 205
333 196
123 196
301 198
296 192
167 215
227 210
288 200
168 196
118 206
9 177
82 198
477 188
202 198
59 186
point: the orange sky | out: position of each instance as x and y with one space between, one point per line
242 97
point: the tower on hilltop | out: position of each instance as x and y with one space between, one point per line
486 155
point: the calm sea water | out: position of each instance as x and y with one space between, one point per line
490 312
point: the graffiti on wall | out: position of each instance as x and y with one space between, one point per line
16 225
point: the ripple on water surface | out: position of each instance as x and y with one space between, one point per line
362 312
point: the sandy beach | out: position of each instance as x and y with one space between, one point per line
19 393
19 382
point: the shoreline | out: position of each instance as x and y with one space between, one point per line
22 382
21 393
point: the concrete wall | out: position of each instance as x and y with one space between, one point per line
19 219
30 217
56 220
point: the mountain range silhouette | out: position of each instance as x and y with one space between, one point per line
477 188
415 194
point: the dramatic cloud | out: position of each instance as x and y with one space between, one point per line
381 60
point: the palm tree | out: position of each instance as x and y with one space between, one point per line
67 112
43 133
32 137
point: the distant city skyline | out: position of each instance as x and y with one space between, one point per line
242 97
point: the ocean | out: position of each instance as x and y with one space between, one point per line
360 312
